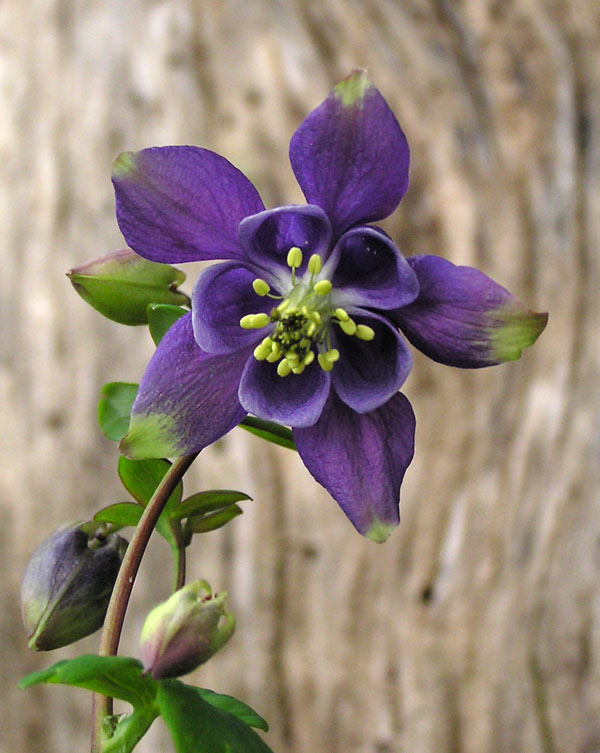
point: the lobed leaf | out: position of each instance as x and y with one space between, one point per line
208 501
198 726
161 317
114 409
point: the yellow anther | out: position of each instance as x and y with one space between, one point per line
308 358
273 357
294 257
312 328
276 348
332 355
342 315
323 287
254 321
283 368
364 333
261 287
292 358
315 264
348 327
316 317
246 321
283 305
261 351
260 320
298 369
324 363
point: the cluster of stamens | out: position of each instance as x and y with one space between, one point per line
301 321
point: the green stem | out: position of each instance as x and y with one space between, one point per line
115 615
179 580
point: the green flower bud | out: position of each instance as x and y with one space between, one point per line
67 584
122 284
185 631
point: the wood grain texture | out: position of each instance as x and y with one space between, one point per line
476 628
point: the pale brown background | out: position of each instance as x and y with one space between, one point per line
476 628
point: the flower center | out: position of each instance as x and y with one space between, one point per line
302 321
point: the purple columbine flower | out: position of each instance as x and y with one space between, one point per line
300 325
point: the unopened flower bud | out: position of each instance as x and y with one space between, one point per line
67 584
185 631
122 284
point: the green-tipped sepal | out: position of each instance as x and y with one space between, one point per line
68 583
185 631
122 284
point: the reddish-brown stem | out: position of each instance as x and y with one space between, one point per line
115 615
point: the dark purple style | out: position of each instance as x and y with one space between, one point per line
300 324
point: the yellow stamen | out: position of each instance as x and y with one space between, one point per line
364 333
294 257
283 368
309 358
315 264
261 287
298 369
324 363
323 287
342 315
348 327
332 355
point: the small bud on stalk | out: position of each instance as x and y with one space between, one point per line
185 631
120 285
68 583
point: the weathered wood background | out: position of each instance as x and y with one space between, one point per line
476 628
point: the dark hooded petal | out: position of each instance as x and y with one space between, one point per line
182 203
294 400
187 398
369 372
268 236
361 460
463 318
222 295
371 271
350 156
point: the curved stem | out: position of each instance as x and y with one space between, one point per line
115 615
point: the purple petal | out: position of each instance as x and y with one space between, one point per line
371 271
182 203
463 318
361 460
294 400
187 399
369 372
268 236
222 295
350 156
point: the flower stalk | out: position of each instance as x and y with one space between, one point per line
115 615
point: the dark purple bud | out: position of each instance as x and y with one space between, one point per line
185 631
67 584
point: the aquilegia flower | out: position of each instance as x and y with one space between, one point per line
300 325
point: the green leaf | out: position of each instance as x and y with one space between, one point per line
161 317
233 706
270 431
142 477
114 409
199 727
114 676
120 515
206 523
208 501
